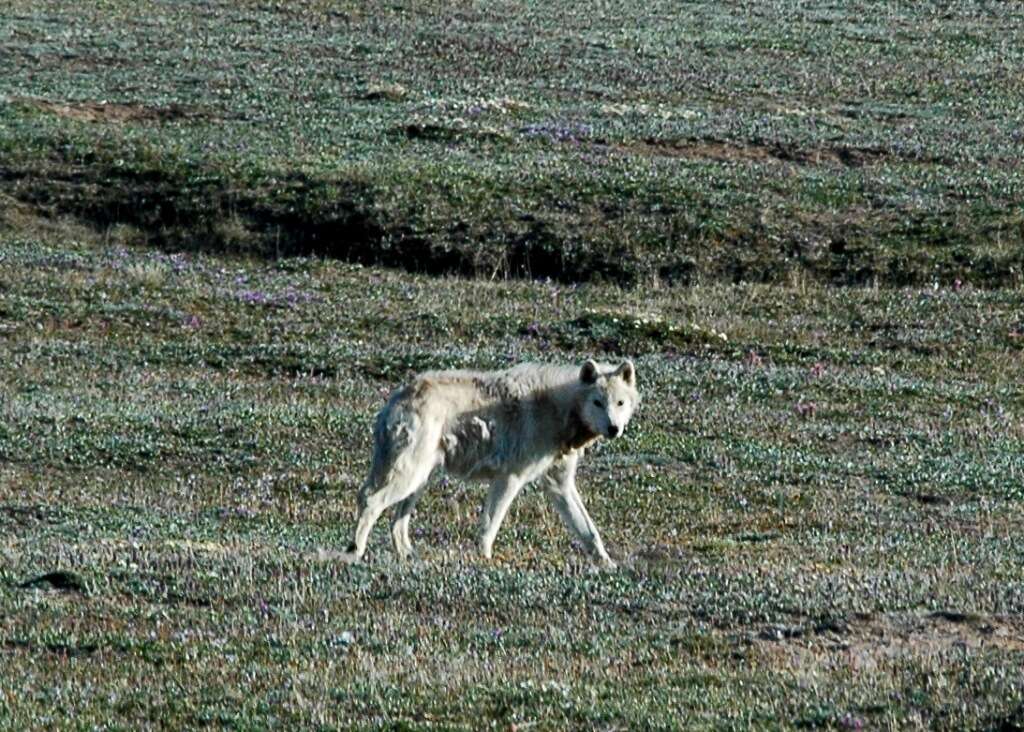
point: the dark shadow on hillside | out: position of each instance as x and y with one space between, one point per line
178 206
302 217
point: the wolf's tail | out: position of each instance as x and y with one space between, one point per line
393 432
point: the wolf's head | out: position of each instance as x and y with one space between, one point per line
609 397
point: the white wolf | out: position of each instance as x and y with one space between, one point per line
507 427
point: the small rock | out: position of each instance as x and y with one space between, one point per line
343 640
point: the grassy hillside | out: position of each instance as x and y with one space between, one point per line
816 511
229 229
688 142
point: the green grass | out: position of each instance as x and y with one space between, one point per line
686 142
229 229
791 508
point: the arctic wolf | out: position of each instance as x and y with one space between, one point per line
509 428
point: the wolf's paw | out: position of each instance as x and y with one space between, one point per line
333 555
410 557
350 555
348 558
607 564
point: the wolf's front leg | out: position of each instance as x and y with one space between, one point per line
560 487
500 496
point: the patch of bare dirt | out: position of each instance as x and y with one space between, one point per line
874 637
112 111
724 151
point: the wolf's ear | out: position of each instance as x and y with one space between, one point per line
628 372
589 372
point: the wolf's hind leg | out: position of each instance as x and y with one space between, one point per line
400 524
401 480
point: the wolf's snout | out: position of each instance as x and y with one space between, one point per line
613 430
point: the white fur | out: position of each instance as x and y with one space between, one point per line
509 428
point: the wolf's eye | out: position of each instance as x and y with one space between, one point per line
597 403
621 403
